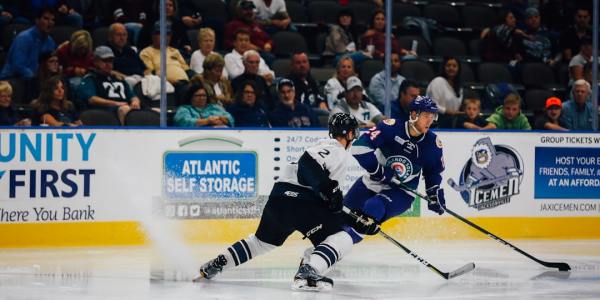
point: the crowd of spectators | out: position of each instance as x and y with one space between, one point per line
224 71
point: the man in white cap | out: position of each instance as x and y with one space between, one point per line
102 90
354 103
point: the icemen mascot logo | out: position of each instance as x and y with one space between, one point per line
491 176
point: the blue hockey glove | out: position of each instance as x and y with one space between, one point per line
362 223
437 201
332 195
383 174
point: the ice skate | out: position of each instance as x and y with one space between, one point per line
211 268
307 279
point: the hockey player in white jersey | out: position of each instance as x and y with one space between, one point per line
306 198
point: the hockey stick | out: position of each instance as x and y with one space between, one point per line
561 266
447 275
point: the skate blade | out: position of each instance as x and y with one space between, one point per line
198 277
302 286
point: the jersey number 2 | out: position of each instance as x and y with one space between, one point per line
115 89
323 153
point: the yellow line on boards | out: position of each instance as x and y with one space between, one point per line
227 231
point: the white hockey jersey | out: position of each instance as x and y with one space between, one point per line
329 153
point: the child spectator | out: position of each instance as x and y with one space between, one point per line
472 118
8 115
509 116
550 120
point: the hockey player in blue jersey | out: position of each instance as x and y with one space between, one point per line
404 150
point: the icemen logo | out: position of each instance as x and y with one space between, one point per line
401 165
491 176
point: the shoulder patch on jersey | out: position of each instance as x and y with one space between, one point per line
438 142
389 122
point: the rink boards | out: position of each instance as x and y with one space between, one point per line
74 187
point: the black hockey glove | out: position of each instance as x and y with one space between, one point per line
362 223
437 201
332 195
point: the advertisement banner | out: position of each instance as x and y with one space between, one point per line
100 175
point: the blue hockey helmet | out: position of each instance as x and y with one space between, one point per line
423 103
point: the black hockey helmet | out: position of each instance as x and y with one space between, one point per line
341 123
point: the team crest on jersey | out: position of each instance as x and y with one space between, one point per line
438 142
401 165
491 177
389 122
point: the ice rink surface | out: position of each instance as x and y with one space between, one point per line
375 269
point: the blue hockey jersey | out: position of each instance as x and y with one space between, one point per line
389 144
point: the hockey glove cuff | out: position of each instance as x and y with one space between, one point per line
363 223
437 201
332 195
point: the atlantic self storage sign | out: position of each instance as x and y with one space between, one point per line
210 175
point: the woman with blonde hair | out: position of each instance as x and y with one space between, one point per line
52 107
336 85
218 88
206 46
76 55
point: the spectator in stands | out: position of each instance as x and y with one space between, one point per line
217 87
577 63
509 116
343 38
177 68
272 15
537 45
447 92
48 66
577 112
306 88
127 64
132 14
472 118
22 58
587 75
354 103
336 86
52 107
8 115
103 90
288 112
247 111
251 61
499 43
179 38
76 57
6 16
206 45
551 120
194 17
246 19
571 38
373 40
65 12
198 112
408 91
377 84
233 60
